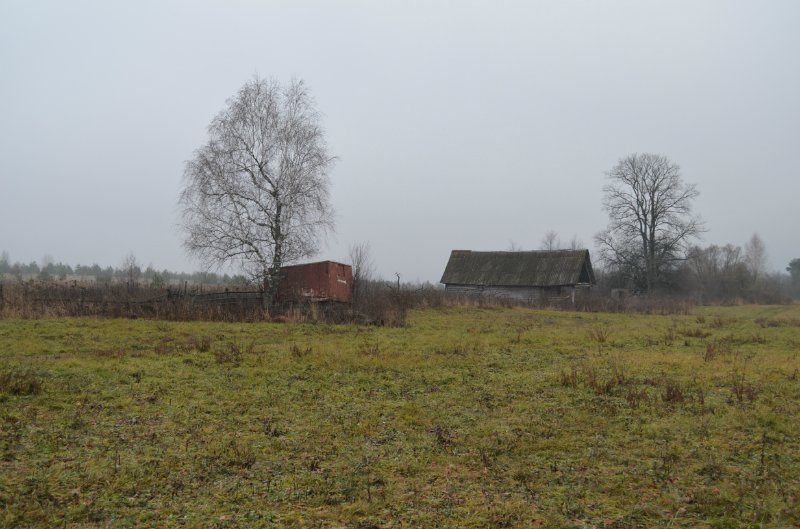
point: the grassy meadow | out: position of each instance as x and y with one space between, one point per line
467 417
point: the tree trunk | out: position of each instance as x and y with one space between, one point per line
277 257
646 253
266 303
274 284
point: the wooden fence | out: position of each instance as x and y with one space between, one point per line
38 299
132 301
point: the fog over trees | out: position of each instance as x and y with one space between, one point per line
257 195
128 269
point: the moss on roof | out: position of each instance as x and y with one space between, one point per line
542 268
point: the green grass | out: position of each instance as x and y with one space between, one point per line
466 418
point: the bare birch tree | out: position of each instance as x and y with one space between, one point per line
550 241
363 269
513 246
651 224
755 256
256 195
575 243
131 269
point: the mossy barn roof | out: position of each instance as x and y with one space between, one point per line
543 268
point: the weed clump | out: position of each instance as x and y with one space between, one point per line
717 322
570 378
669 336
455 350
765 323
236 454
164 346
636 396
300 352
741 389
696 333
599 335
10 435
188 343
443 436
269 427
710 352
20 382
673 392
232 354
368 348
201 344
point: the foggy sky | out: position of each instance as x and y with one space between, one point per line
461 125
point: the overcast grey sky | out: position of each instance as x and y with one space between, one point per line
457 124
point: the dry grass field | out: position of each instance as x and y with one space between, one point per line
466 417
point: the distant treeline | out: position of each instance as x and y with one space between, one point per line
715 274
129 271
708 275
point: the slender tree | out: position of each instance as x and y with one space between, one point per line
256 195
651 223
131 269
363 269
550 241
513 246
755 256
575 243
794 275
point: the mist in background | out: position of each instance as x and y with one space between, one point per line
469 125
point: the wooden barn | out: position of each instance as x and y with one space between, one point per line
322 281
536 276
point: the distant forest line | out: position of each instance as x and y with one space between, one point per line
709 275
129 271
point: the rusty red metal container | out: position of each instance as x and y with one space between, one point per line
322 281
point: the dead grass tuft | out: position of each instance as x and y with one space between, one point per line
20 382
599 335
